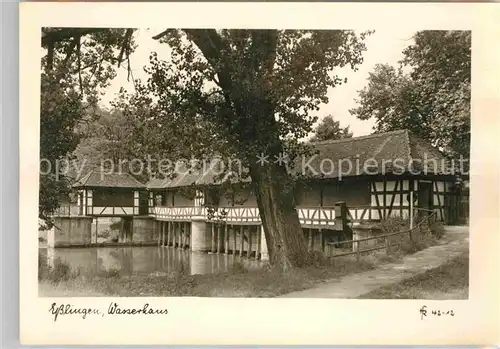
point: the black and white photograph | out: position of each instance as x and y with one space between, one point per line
254 163
236 163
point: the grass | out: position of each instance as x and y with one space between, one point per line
448 281
238 282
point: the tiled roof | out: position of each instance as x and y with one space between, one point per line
109 180
186 177
380 153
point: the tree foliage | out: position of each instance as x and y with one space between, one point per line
77 63
236 93
429 93
329 129
256 92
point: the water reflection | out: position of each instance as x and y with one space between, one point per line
143 260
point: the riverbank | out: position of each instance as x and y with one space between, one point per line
323 280
238 282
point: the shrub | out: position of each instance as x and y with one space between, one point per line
394 224
59 272
238 267
43 267
437 229
318 259
116 225
111 273
104 234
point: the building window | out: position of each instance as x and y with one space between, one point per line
158 200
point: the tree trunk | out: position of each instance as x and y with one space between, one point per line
273 188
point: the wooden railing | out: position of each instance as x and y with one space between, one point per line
308 216
317 216
430 217
185 213
110 210
357 214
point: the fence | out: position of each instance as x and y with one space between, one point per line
425 217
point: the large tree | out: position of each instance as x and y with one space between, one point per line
257 90
329 129
429 93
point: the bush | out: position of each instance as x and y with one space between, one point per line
104 234
394 224
43 267
116 225
111 273
437 229
59 272
238 267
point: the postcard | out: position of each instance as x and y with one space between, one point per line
259 173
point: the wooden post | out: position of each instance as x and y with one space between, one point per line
96 219
322 235
170 236
249 253
242 232
213 237
259 238
172 233
309 235
386 245
161 232
157 232
159 229
179 234
174 228
226 238
234 239
217 238
222 237
411 210
357 254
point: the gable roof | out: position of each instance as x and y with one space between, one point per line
96 178
380 153
192 176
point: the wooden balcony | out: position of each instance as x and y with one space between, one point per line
309 216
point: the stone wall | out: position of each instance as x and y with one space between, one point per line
70 231
143 230
200 236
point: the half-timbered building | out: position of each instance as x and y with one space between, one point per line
342 183
369 178
376 176
111 194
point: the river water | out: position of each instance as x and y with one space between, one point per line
143 260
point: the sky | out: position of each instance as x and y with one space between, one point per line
383 46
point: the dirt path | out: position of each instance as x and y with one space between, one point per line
452 244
